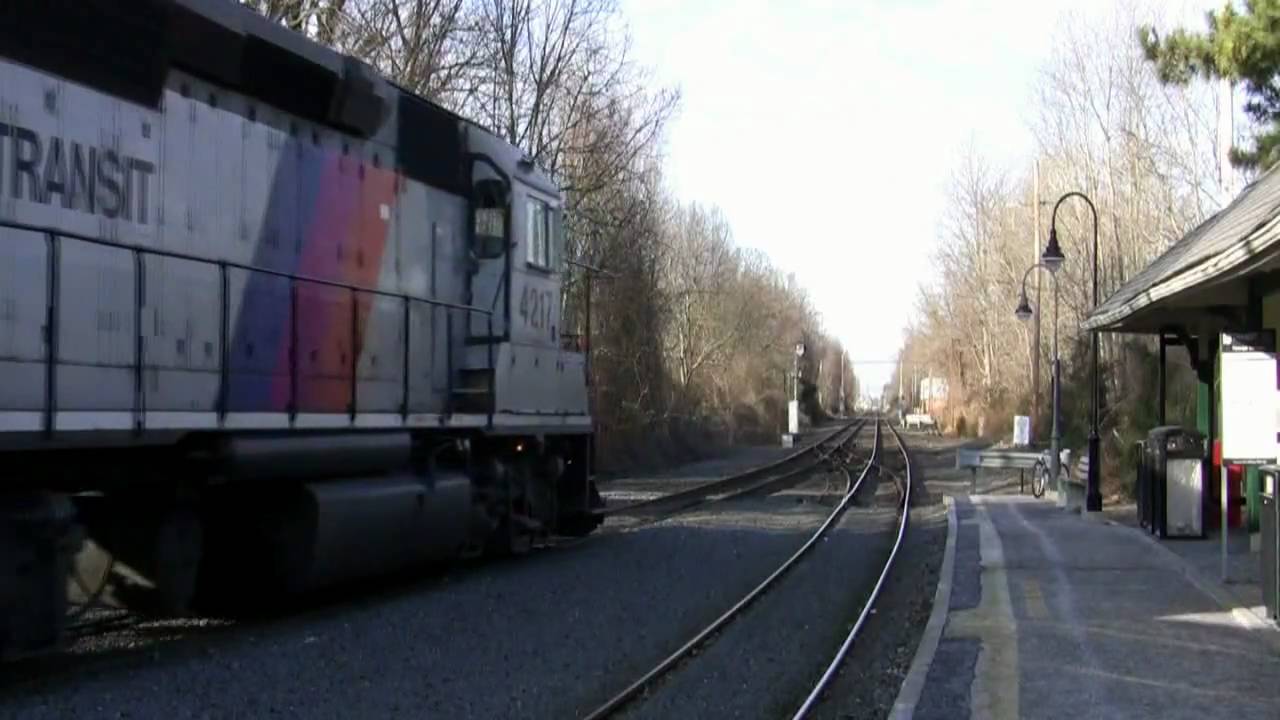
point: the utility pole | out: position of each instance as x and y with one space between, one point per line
915 388
841 411
819 382
925 398
1035 258
900 400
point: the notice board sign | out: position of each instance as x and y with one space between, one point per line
1249 397
1021 430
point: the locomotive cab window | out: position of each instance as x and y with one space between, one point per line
539 217
490 219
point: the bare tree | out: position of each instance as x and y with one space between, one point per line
1144 153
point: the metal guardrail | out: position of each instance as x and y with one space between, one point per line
1021 460
973 459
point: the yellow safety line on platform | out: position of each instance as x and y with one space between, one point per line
1170 686
1036 607
1063 628
994 693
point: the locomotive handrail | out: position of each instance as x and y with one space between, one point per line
53 314
46 230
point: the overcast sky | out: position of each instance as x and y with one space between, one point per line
827 131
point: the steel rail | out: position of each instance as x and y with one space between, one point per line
696 495
627 694
655 510
815 695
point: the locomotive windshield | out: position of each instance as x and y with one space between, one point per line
490 223
545 234
539 235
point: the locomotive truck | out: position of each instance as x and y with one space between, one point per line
268 321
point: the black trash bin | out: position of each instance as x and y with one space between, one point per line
1142 485
1175 481
1271 540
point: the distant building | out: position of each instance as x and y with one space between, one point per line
933 396
933 388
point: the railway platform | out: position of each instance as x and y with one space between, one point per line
1050 614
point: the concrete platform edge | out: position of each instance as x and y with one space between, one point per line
1220 594
904 706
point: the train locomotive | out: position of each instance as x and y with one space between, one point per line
268 321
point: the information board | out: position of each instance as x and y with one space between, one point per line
1249 397
1021 430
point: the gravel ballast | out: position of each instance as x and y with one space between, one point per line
546 636
877 663
764 662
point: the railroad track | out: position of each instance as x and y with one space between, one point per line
691 647
763 479
814 698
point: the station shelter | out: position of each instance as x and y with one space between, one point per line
1223 276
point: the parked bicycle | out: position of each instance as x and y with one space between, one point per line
1041 473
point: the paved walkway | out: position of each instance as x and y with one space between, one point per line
1052 615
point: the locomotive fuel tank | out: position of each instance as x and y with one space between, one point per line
313 535
282 456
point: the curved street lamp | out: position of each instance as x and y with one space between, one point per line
1024 313
1053 258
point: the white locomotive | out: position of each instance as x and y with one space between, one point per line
267 321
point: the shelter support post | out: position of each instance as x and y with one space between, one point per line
1162 410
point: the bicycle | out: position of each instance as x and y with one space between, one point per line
1039 478
1041 472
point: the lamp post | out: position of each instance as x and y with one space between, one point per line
1024 313
795 385
1053 259
793 407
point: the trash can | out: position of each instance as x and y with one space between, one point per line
1153 497
1176 481
1270 522
1142 485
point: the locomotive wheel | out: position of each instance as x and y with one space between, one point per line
584 522
511 537
505 541
180 539
580 524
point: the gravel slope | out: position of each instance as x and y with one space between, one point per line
541 637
